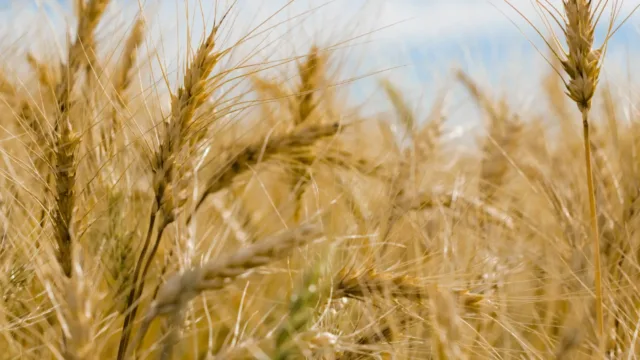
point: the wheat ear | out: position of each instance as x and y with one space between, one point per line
263 150
46 76
124 72
183 133
66 142
371 283
310 71
181 288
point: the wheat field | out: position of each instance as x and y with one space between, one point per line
254 213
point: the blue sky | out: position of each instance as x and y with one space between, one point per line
420 40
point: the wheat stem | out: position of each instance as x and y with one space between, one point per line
128 320
594 223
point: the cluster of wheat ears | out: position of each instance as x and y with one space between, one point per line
279 223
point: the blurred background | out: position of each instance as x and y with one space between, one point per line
417 43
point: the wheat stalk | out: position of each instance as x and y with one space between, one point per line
582 64
182 134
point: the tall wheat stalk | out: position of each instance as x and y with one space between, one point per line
582 64
183 132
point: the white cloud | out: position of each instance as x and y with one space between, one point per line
429 36
441 20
